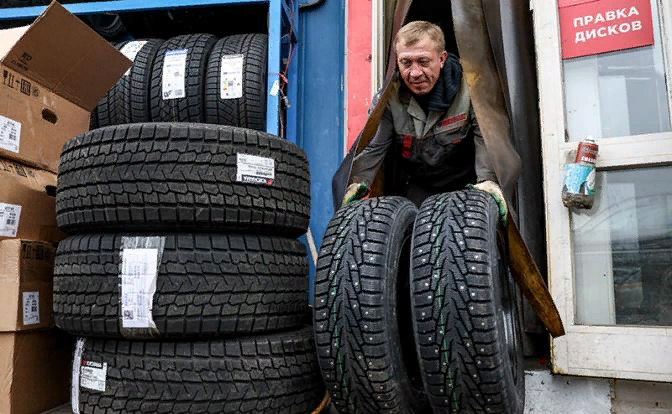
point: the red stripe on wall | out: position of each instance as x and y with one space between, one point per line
359 66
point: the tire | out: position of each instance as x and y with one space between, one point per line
179 177
128 100
111 106
465 310
138 109
207 286
268 374
362 326
248 111
190 108
107 25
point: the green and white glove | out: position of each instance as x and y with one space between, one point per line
493 189
355 192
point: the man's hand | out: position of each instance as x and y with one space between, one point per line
355 192
493 189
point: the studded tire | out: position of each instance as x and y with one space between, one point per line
264 374
180 177
361 319
465 307
207 285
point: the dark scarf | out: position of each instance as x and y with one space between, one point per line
441 97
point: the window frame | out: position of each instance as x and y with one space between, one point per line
603 351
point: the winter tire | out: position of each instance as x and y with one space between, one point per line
361 319
189 108
465 308
248 111
168 176
111 106
207 285
128 100
269 374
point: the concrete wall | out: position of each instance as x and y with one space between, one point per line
558 394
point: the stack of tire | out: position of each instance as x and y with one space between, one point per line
182 277
415 311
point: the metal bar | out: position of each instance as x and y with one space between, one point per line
273 79
24 13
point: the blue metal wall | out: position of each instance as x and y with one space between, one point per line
321 99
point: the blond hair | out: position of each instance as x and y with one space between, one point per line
413 32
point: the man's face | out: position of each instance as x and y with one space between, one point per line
420 65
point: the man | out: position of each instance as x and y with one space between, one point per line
429 126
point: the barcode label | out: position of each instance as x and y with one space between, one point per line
252 169
10 215
31 308
76 367
174 68
92 375
131 49
10 134
138 283
231 77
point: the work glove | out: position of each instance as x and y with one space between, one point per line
355 192
493 189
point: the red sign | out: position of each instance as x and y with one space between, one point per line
567 3
605 26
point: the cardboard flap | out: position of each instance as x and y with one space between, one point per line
63 54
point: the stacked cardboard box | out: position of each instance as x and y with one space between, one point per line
51 76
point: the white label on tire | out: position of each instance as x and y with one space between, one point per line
92 375
10 216
174 68
31 308
138 284
231 77
10 134
76 365
252 169
131 49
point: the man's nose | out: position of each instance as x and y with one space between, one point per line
415 71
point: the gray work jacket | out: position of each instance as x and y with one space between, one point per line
433 147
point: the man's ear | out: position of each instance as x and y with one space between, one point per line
442 57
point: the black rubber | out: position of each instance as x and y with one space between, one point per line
170 176
190 108
269 374
138 107
107 25
110 108
206 286
249 111
361 319
463 296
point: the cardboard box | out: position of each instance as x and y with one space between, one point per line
27 203
26 285
54 72
36 371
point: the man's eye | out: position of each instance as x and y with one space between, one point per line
424 62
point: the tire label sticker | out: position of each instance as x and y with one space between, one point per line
10 134
10 215
231 77
76 366
174 68
131 49
139 268
252 169
92 375
31 308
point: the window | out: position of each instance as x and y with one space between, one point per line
620 93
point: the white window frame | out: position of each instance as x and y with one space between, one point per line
602 351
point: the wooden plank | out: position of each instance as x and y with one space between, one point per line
529 279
